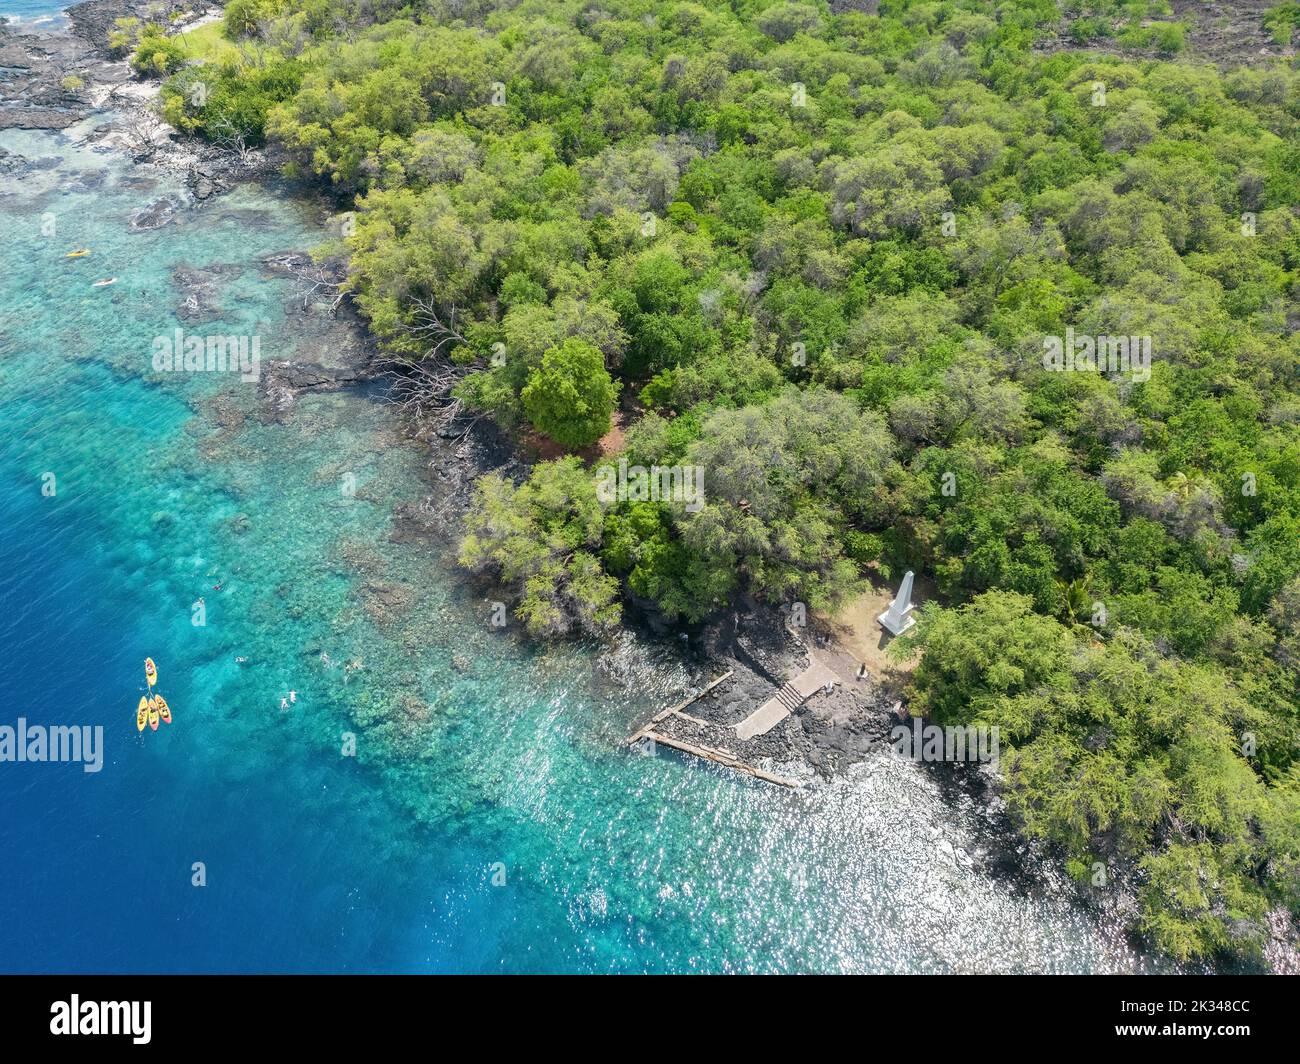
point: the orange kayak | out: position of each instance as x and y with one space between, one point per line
164 710
142 714
150 672
153 714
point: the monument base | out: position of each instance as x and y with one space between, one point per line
894 624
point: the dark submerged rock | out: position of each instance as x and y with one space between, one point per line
157 214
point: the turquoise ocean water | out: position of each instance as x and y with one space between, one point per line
33 11
477 756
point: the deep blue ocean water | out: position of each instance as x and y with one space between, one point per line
477 754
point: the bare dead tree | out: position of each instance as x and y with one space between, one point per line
423 389
232 138
430 325
284 36
142 130
251 51
420 386
320 282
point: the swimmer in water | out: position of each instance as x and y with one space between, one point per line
293 696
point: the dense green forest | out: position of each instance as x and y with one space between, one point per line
824 252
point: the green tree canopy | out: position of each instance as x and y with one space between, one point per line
571 396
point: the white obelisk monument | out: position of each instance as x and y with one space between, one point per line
898 618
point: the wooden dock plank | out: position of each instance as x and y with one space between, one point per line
708 753
721 757
640 733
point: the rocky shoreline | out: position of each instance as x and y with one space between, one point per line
827 735
36 63
824 738
53 79
58 77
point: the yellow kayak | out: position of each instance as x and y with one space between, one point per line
142 714
77 254
150 672
153 714
164 710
